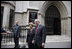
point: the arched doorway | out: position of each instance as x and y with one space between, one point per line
62 10
53 21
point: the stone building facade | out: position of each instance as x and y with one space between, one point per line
20 11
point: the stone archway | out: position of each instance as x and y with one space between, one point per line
62 9
53 21
59 4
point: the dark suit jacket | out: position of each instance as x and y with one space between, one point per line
30 35
17 31
40 37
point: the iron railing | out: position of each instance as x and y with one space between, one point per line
9 38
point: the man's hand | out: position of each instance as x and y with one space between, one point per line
8 32
32 41
43 44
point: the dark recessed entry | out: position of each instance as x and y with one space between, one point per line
52 21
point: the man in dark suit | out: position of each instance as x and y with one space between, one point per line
16 35
40 35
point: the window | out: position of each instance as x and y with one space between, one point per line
11 18
32 16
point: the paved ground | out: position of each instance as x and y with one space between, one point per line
62 41
58 45
47 45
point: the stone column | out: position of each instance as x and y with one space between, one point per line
6 16
69 26
63 26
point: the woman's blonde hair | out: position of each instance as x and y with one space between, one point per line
31 23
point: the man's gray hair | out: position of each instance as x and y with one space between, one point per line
37 20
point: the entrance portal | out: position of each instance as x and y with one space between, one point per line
52 21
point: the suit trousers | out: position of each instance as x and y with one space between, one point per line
16 41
